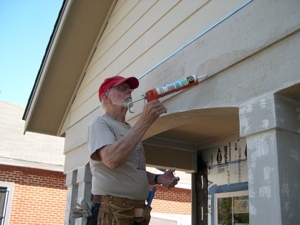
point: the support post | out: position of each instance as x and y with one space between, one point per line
271 125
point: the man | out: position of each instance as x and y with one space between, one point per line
120 183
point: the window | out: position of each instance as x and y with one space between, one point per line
6 190
3 203
232 208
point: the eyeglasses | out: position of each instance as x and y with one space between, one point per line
121 88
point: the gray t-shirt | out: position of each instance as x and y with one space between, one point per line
127 181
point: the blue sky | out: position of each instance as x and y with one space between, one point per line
25 30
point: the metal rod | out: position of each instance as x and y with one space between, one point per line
130 104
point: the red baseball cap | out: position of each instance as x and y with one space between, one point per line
114 81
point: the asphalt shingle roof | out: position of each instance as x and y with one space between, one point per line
30 149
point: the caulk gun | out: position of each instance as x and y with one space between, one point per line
164 90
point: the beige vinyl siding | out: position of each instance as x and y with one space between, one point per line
150 33
233 50
110 65
141 35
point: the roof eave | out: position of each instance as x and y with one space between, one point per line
77 29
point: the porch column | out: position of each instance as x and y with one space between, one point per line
72 191
84 178
271 125
78 184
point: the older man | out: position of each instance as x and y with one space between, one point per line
120 183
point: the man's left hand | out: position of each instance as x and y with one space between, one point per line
168 179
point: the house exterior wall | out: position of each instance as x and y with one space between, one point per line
215 56
138 36
250 54
38 196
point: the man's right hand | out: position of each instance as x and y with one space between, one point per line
152 111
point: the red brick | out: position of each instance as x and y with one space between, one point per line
32 202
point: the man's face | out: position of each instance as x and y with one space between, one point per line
120 95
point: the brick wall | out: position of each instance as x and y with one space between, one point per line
39 196
172 201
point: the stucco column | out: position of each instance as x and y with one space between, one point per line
72 192
271 125
78 184
84 179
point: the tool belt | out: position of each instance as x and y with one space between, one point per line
107 201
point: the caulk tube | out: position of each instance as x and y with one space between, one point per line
171 88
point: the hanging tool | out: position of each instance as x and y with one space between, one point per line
164 90
151 196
